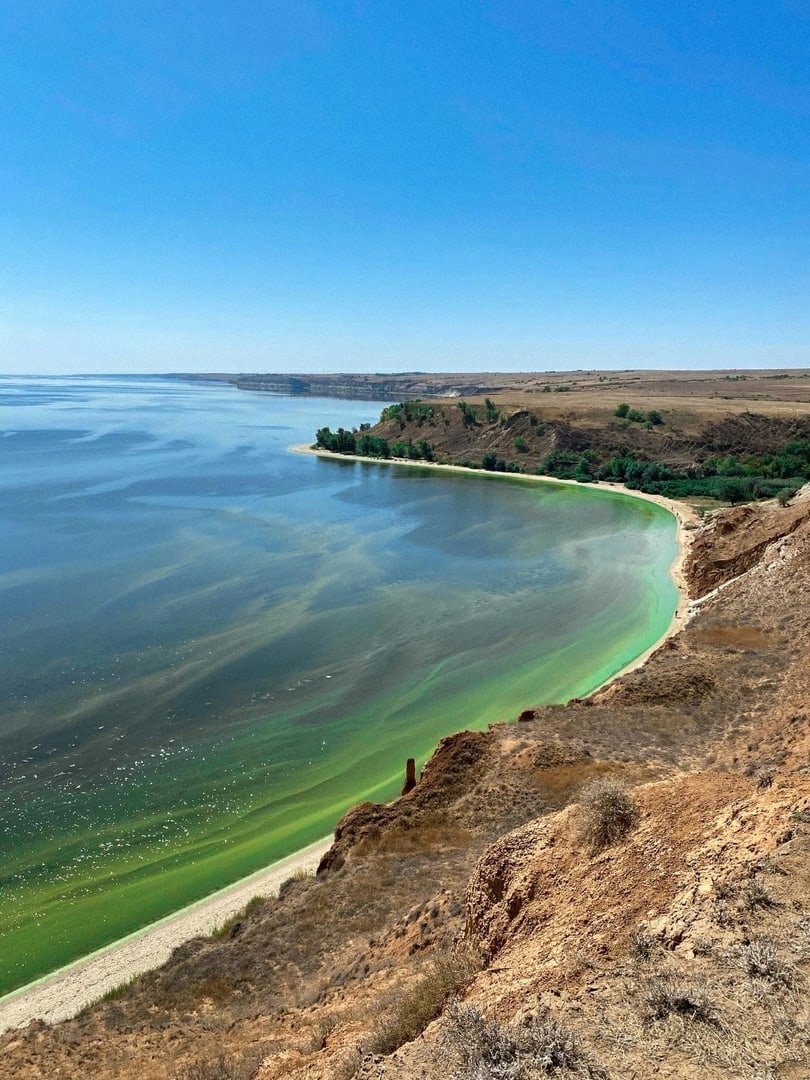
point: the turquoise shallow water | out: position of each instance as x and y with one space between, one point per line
210 647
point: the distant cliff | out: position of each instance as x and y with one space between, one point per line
374 387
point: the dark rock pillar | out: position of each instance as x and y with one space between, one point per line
410 776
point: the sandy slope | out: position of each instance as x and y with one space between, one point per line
68 990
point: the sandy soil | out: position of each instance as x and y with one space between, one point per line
65 992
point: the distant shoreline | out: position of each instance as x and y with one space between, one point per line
66 991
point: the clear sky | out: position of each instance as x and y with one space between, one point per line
398 184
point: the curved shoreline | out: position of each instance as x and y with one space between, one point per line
686 520
65 992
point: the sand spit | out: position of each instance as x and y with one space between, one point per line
65 992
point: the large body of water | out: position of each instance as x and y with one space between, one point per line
211 647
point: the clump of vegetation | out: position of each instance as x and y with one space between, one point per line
521 445
468 412
422 1002
374 446
224 1067
652 418
492 412
492 463
413 451
641 945
413 411
609 813
756 895
539 1046
339 442
729 479
666 996
761 960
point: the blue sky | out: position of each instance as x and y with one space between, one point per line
301 185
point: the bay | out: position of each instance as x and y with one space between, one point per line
210 646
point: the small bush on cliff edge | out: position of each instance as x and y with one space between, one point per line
609 813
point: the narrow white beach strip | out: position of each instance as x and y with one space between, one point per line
65 992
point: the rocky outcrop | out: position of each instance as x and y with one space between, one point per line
734 540
453 768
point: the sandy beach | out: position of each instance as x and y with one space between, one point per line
67 991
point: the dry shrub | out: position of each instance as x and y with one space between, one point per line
322 1028
666 996
608 813
534 1046
641 945
755 895
230 1067
428 834
424 999
761 960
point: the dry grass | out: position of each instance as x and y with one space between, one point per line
225 1067
535 1046
761 960
667 996
251 906
608 813
425 999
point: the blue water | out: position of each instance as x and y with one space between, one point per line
210 646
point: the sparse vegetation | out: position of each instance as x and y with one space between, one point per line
666 996
761 960
422 1002
537 1046
609 813
224 1067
